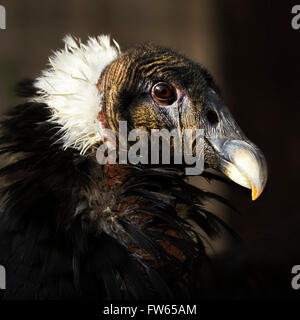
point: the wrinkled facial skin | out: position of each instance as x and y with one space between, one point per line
128 85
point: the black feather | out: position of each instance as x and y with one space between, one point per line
52 245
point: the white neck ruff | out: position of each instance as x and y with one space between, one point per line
69 88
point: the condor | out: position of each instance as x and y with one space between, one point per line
71 228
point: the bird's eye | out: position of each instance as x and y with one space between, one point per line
163 93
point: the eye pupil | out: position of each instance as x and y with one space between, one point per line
163 94
163 91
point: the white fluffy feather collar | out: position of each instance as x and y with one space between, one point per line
68 87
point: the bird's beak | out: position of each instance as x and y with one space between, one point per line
242 162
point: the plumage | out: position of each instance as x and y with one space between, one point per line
74 229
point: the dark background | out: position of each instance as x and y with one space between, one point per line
249 46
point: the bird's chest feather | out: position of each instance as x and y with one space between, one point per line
113 202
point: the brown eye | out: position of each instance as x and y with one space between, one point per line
163 93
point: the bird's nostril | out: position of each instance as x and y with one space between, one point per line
212 117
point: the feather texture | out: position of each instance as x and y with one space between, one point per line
58 242
68 87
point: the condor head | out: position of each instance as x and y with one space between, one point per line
155 88
93 87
